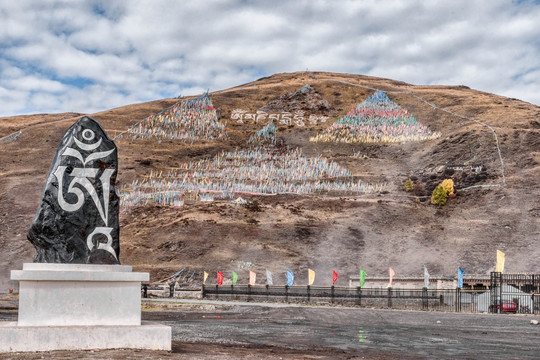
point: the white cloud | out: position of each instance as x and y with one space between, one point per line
92 55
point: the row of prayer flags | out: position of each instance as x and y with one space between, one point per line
269 279
311 275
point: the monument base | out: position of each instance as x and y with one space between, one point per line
16 338
80 307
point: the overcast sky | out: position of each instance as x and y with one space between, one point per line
87 56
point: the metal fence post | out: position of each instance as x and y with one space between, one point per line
232 291
500 295
458 300
308 293
202 292
286 293
145 290
333 294
267 292
249 293
425 302
390 297
217 292
171 290
359 296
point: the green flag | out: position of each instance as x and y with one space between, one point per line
234 278
362 277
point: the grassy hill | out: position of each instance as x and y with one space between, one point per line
488 144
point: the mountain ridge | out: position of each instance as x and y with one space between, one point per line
320 231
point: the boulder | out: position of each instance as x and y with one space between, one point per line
77 218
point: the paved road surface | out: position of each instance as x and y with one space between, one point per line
228 330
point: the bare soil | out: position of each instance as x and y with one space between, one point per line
321 232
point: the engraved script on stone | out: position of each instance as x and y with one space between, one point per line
283 118
77 218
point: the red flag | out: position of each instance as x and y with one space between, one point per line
219 278
334 277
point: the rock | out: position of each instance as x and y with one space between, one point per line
534 322
77 217
303 99
438 321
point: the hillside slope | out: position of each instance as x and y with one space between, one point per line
330 229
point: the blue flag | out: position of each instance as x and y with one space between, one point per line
460 274
290 278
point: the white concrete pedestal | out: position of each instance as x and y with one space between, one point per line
79 306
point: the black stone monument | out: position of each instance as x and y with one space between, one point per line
77 218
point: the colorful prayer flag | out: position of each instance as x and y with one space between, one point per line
290 278
460 274
391 273
426 277
334 277
311 277
234 278
500 262
219 278
269 279
362 278
205 277
252 278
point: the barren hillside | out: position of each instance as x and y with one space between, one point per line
320 221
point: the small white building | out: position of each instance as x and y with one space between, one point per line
510 294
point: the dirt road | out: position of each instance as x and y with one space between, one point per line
231 331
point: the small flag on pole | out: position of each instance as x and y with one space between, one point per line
290 278
500 262
205 277
219 278
391 273
460 274
311 277
426 277
234 278
269 279
362 278
334 277
252 278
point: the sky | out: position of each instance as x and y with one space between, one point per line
88 56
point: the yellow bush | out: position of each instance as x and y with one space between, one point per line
408 185
439 196
442 192
448 186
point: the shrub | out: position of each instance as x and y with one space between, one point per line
439 196
448 186
442 192
408 185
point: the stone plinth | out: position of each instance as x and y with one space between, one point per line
80 306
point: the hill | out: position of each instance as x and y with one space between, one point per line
336 204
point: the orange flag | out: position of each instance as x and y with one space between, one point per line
252 277
392 273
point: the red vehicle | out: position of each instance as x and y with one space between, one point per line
509 307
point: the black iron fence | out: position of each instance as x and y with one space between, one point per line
507 294
425 299
515 293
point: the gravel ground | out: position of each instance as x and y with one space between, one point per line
212 330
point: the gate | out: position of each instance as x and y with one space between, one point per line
515 293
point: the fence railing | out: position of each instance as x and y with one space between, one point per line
455 300
507 293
